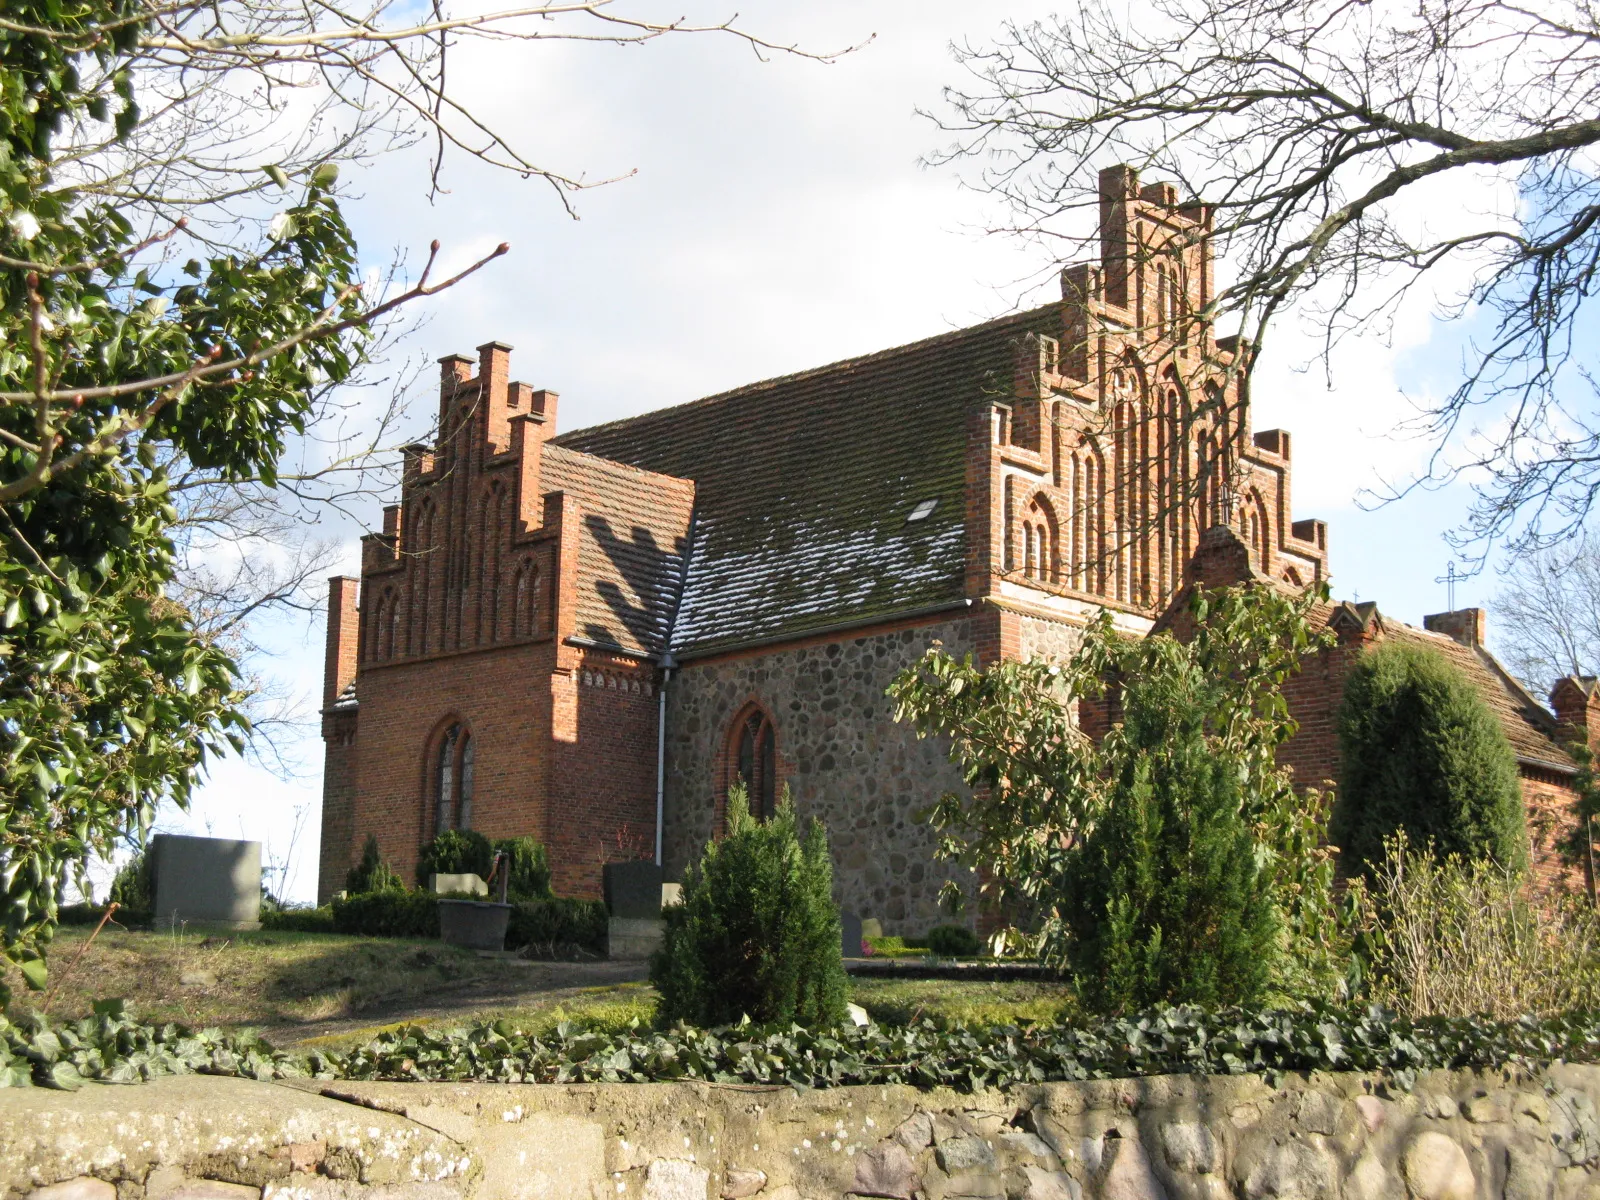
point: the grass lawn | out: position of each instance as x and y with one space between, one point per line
333 990
255 978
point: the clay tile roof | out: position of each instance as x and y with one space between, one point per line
634 528
804 484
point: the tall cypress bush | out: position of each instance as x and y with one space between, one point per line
1421 752
757 933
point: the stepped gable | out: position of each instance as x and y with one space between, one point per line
804 485
633 530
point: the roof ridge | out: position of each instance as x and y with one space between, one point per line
809 372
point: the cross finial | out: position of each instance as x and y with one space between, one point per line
1449 579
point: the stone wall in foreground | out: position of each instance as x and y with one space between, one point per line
1454 1136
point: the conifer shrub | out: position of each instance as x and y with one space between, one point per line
455 852
529 866
1169 902
372 873
757 933
1421 753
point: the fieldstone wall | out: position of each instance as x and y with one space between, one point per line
1454 1136
1041 638
846 760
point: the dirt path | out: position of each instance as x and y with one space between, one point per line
535 985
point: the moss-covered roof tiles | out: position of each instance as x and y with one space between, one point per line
634 528
804 483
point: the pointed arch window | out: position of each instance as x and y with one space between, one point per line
755 762
453 780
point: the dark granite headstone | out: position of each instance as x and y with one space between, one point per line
633 889
850 935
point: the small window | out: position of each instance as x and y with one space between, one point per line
757 764
922 511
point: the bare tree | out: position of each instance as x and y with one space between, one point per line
233 102
1548 614
1308 128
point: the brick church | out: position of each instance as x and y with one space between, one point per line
587 636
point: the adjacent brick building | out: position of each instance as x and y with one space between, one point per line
587 636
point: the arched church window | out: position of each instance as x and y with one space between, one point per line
756 764
452 780
524 602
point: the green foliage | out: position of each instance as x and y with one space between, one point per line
388 914
372 873
1421 752
1458 938
300 920
529 867
1039 786
1166 1041
112 1047
952 941
558 926
1169 901
134 884
455 852
757 933
110 363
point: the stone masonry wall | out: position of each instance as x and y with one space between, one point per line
840 750
1041 638
1454 1136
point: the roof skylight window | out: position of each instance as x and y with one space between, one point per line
922 511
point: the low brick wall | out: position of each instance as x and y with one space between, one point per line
1454 1136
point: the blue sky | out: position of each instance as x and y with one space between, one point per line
779 219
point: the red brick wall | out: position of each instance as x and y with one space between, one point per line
502 697
604 783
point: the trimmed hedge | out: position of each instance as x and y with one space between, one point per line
388 914
299 920
1167 1041
558 925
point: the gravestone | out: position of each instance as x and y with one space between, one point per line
206 881
850 935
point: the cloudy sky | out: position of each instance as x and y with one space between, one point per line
776 218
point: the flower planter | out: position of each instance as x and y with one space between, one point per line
633 889
474 924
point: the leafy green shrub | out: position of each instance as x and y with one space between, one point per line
558 925
529 866
952 941
757 932
300 920
372 874
1457 938
134 884
1422 752
1042 801
455 852
388 914
1166 1041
